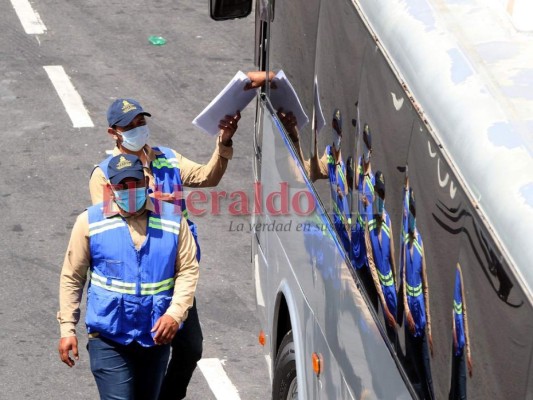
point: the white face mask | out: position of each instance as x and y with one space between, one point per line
136 138
366 153
337 141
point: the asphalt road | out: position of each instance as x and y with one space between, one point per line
46 163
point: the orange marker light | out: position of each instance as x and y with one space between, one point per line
261 338
317 363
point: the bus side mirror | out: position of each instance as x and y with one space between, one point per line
229 9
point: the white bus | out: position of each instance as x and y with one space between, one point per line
436 95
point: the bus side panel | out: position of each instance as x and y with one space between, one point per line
288 273
345 333
499 316
292 49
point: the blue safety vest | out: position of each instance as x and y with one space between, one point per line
341 209
167 177
365 187
458 314
381 252
130 289
413 284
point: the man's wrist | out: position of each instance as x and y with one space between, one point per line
67 329
228 142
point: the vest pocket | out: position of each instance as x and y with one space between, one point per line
114 269
160 307
103 312
419 315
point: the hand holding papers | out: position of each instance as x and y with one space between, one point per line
283 95
231 99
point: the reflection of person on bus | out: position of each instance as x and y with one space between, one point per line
330 166
461 341
380 252
416 303
337 181
365 188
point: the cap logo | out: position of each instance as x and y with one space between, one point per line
127 106
123 163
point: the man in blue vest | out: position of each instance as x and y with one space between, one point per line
380 253
338 183
143 273
461 341
167 172
365 191
416 302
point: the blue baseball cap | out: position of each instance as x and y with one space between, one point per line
122 111
124 166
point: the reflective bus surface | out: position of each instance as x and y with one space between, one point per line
394 258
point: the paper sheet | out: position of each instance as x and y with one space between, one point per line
284 96
231 99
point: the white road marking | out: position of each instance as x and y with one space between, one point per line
259 292
69 96
269 363
398 103
217 379
30 19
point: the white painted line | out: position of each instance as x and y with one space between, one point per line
269 364
109 152
217 379
69 96
30 20
258 291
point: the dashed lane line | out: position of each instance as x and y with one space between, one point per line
29 18
217 379
69 96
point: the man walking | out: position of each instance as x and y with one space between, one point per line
143 274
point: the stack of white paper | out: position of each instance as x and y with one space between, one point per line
283 96
231 99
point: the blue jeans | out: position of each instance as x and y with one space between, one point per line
186 352
458 385
131 372
417 351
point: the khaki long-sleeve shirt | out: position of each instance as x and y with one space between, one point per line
78 260
192 174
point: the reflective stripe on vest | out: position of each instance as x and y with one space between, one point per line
159 163
372 224
105 225
164 224
415 243
457 307
112 284
146 289
458 314
414 291
385 279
